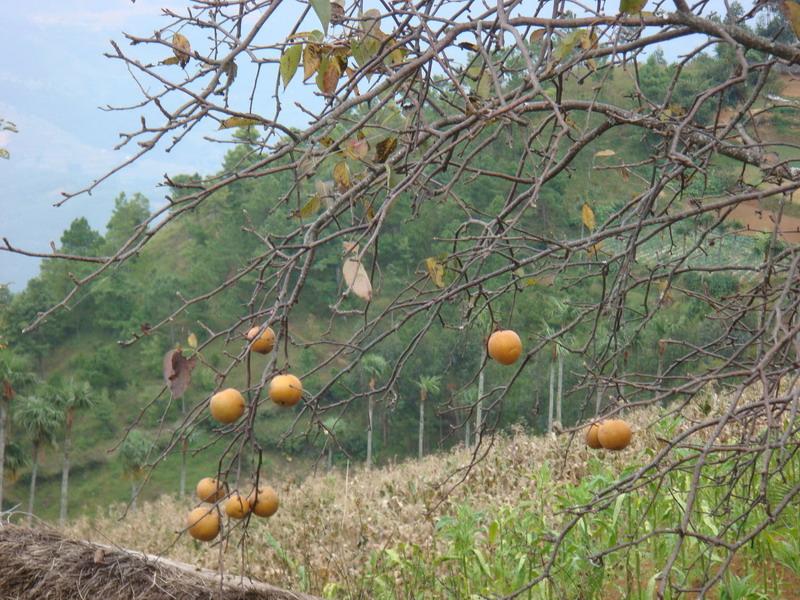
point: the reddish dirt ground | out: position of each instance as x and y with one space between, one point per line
791 87
755 218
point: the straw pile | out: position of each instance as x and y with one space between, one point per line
43 565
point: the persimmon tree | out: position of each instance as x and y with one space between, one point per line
402 102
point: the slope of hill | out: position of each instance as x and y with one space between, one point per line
195 255
430 529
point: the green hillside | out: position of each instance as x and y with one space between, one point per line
217 241
406 531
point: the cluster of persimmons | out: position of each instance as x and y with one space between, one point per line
227 406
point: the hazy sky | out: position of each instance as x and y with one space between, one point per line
51 89
53 78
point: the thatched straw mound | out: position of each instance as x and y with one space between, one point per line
42 565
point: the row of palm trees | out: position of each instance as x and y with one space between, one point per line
373 366
43 412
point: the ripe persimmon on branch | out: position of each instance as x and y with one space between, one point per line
467 121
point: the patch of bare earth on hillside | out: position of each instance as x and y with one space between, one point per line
791 87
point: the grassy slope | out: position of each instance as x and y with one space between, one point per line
386 533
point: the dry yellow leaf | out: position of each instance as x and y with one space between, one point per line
435 271
587 216
791 11
341 175
604 153
182 48
238 122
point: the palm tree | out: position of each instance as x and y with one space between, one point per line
185 453
560 394
15 461
427 384
479 407
484 324
661 330
331 426
372 366
467 398
40 418
71 397
466 434
134 453
188 436
598 399
552 379
15 373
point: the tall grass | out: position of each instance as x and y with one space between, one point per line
407 532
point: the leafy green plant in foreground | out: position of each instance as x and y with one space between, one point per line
618 549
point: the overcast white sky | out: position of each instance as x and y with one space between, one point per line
53 78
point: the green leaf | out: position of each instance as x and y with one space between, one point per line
474 71
617 509
323 10
232 122
484 88
309 208
172 60
567 45
587 216
493 529
396 57
289 63
360 53
435 271
482 562
341 174
630 7
393 556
